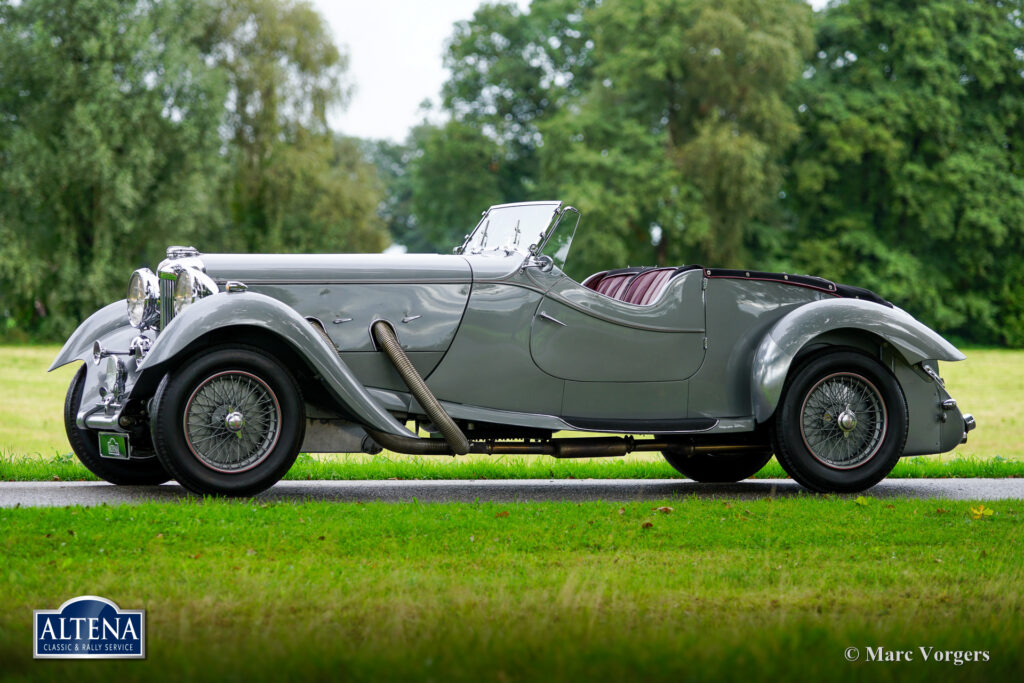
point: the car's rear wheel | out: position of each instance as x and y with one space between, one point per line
718 468
841 425
85 444
229 422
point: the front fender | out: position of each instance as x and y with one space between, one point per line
775 354
97 326
250 309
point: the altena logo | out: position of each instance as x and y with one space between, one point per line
89 627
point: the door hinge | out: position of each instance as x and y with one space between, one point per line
705 343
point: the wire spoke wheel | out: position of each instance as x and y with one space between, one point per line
843 420
232 421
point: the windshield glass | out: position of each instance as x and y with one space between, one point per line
511 227
560 237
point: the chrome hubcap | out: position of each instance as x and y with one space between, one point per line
847 420
232 421
843 420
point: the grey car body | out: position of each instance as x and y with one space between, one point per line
513 349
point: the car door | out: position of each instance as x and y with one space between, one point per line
621 362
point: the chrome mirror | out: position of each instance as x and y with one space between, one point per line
541 261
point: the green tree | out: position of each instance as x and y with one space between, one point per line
684 128
910 176
392 161
294 187
511 70
453 176
108 148
665 120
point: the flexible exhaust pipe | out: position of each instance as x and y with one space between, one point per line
455 442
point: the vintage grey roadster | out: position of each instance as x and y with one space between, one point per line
219 369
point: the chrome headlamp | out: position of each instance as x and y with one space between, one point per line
192 284
144 299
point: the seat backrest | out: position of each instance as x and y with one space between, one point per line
592 281
647 286
615 282
636 285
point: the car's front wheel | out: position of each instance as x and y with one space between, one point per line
841 425
85 443
230 422
718 468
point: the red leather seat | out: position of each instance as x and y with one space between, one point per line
638 286
614 284
647 286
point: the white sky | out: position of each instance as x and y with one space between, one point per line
395 50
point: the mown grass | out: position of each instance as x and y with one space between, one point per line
32 401
713 590
391 466
33 445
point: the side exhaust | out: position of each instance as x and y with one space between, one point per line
455 442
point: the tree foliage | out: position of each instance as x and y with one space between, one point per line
293 187
128 125
879 144
108 147
454 173
665 120
910 176
679 140
511 71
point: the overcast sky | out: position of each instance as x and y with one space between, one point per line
395 50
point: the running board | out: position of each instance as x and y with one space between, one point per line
685 425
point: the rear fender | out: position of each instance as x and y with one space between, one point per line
772 360
250 309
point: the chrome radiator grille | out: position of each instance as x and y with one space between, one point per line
166 301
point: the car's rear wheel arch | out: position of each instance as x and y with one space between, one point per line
843 339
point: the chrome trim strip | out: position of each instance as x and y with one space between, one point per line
251 282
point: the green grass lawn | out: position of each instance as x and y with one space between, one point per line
990 383
713 590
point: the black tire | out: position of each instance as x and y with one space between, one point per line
718 468
85 444
195 442
811 442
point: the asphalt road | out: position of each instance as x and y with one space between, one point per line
56 494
